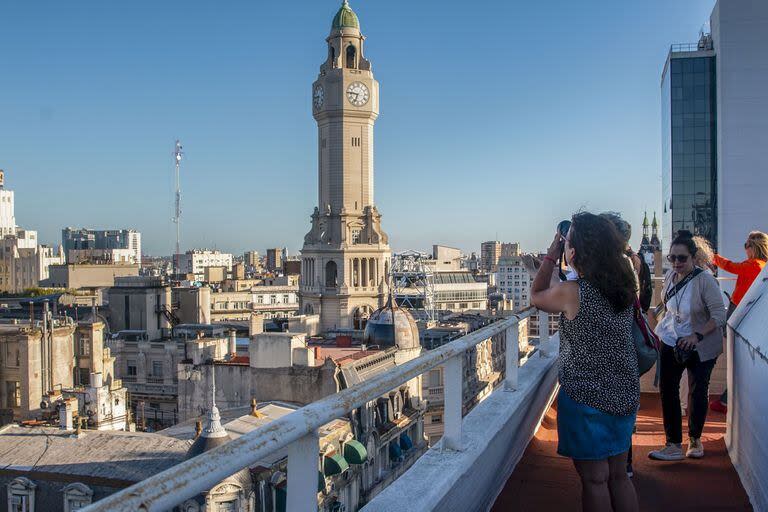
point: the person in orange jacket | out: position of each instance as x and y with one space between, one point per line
746 272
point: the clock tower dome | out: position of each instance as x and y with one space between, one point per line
346 255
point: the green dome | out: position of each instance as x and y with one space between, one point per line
345 18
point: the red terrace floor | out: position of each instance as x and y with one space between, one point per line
545 481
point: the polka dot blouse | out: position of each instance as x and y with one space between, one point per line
598 362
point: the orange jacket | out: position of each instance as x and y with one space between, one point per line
746 271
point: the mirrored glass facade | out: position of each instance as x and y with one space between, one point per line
689 145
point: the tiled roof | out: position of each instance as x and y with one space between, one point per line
112 455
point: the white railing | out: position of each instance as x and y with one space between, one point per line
298 431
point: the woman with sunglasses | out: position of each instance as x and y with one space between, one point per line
746 271
692 336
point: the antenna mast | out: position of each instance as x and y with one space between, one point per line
177 154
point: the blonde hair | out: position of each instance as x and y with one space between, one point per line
759 243
704 252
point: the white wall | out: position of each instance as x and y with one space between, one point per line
740 35
7 219
276 350
747 399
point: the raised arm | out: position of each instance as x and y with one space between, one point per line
557 298
728 265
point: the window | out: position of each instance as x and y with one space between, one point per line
227 506
84 375
157 368
13 393
351 57
85 347
12 354
21 495
437 419
434 378
77 496
355 236
131 367
330 274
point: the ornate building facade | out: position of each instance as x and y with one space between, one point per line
346 255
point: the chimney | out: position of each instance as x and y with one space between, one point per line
232 343
256 325
97 380
65 415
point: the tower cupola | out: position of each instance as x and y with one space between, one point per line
345 18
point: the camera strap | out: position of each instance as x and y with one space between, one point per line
679 286
560 260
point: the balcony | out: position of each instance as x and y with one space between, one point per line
501 455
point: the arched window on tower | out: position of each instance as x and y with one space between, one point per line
331 274
351 57
333 56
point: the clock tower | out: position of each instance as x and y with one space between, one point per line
346 255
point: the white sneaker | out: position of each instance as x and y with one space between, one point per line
671 451
695 449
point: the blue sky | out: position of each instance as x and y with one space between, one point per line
498 118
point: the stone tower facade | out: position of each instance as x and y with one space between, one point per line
346 255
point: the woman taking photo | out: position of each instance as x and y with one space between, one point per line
692 336
600 389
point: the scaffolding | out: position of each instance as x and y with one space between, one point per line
413 284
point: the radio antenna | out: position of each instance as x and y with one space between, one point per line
177 155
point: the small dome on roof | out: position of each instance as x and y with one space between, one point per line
392 326
345 18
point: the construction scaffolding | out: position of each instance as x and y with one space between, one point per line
413 284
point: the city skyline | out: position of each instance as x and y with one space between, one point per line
103 135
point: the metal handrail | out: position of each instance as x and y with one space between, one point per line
298 431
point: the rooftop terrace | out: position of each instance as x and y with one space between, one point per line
501 455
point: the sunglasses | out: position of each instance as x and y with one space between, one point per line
682 258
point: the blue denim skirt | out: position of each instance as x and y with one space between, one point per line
585 433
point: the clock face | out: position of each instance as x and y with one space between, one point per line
358 94
318 97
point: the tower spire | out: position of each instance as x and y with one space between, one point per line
212 426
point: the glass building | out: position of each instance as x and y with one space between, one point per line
689 141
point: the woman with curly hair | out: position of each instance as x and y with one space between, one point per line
705 254
598 372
